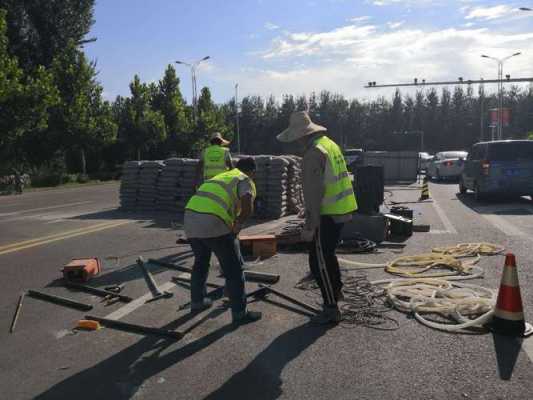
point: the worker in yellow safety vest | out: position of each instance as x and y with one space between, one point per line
213 219
214 159
329 202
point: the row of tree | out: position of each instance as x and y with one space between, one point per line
53 115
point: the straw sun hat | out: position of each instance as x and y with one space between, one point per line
218 135
300 125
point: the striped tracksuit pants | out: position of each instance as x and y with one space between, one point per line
323 260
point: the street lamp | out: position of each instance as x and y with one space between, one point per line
500 62
193 67
237 117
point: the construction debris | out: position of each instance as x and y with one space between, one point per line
150 282
82 269
63 301
97 291
17 313
88 325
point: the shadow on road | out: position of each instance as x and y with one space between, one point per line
122 375
261 379
507 351
497 205
157 219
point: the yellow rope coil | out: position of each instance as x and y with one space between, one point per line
470 249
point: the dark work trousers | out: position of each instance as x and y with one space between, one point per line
226 249
323 260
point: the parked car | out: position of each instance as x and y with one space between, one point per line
446 164
499 167
423 161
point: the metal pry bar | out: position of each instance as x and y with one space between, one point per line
150 282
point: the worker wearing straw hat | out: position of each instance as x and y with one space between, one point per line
329 202
214 159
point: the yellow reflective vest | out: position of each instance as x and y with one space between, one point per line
339 197
214 161
218 196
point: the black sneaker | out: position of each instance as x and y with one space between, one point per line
248 317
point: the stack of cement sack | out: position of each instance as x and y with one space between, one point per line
148 177
295 189
272 182
168 185
176 184
129 185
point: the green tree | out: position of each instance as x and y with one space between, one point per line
39 30
141 128
169 101
24 103
82 120
210 119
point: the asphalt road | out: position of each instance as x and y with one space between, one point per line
282 356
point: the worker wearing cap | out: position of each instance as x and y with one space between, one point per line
213 218
329 202
214 159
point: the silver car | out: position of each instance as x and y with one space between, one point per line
446 165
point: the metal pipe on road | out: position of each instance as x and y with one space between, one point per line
62 301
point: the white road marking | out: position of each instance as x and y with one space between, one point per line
438 232
43 208
135 304
445 221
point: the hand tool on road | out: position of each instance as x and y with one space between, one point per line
17 312
63 301
150 282
117 288
98 291
134 328
291 299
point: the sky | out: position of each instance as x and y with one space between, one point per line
299 46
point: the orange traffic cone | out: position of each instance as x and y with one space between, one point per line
509 314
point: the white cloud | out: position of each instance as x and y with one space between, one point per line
395 25
359 19
304 44
346 58
488 13
407 3
270 26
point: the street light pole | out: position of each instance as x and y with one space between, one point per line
500 62
237 117
193 67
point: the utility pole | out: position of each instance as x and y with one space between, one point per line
481 113
237 117
193 67
500 62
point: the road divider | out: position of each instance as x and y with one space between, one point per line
18 246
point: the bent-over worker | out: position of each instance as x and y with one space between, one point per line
213 218
329 202
214 159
